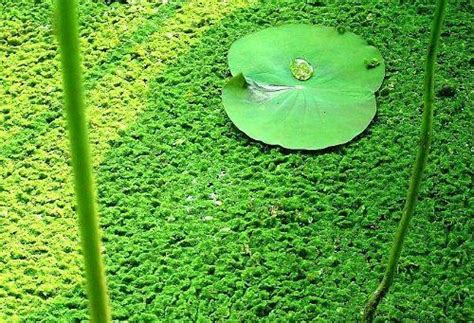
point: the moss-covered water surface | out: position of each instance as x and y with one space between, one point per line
201 222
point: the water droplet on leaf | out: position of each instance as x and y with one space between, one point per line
371 63
301 69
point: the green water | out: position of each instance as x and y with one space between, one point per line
202 223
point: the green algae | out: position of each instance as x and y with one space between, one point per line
37 186
297 236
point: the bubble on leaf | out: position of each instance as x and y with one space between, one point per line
372 63
301 69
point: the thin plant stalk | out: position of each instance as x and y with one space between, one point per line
420 163
68 37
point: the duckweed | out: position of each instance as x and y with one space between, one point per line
297 236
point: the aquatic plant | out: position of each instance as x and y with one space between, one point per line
420 163
306 87
446 302
68 37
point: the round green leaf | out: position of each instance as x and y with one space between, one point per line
302 87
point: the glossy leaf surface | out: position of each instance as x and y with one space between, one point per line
302 87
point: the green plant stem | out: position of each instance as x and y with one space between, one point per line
68 37
420 163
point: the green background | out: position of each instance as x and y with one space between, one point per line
201 222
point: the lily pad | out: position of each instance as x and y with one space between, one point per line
302 87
